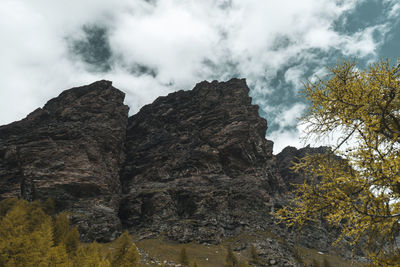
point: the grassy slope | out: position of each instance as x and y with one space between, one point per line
214 255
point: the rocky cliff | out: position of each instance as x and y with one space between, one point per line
192 166
198 166
71 151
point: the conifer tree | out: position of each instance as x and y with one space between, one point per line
183 257
57 257
126 254
359 107
61 228
90 256
25 236
71 241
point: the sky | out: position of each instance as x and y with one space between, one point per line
150 48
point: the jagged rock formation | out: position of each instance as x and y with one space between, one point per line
193 165
198 166
291 154
71 151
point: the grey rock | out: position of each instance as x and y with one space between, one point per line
192 166
71 151
198 166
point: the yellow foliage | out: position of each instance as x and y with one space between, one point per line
25 236
71 241
90 256
61 228
359 193
126 254
29 237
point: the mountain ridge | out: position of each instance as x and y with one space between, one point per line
192 166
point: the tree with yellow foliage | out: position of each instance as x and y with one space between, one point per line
61 228
89 256
126 254
72 241
359 193
29 237
26 237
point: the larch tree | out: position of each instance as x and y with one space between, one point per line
61 228
26 237
360 192
126 253
89 256
72 241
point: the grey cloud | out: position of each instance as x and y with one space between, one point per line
93 48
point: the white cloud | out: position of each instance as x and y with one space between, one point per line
173 37
395 9
290 116
283 139
289 128
295 76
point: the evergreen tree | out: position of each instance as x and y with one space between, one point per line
183 257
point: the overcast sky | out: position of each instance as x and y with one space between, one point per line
151 48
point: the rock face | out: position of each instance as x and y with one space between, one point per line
193 165
198 166
289 155
71 151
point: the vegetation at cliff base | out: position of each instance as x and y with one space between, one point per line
31 237
183 257
358 193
